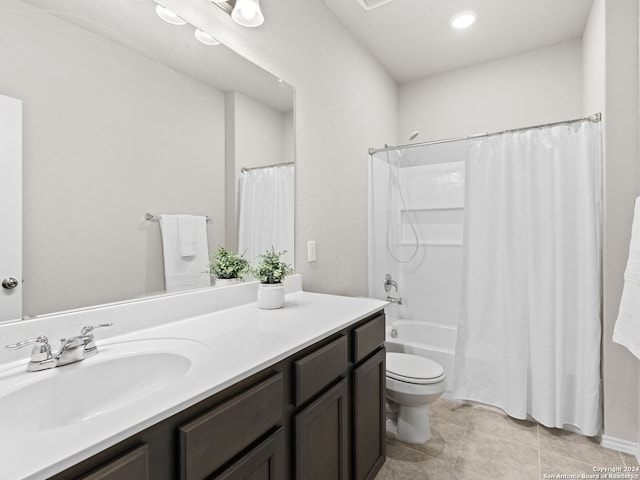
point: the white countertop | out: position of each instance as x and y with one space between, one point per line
242 340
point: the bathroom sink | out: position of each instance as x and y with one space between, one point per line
121 374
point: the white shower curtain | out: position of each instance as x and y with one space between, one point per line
266 212
529 329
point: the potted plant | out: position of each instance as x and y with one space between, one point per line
270 270
227 267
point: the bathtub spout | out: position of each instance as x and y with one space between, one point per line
397 300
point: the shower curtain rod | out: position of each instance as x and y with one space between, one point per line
245 169
596 117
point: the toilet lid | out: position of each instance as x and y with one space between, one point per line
413 369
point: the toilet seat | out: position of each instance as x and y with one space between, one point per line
409 368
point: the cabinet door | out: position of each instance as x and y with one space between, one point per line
130 466
322 437
213 438
369 417
264 462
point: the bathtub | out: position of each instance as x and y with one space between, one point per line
431 340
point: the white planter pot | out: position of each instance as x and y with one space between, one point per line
223 282
270 295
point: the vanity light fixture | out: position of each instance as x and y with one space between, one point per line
247 13
463 20
205 38
168 16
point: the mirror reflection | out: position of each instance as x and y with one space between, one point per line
124 115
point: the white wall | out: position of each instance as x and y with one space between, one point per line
345 103
103 145
611 85
536 87
593 61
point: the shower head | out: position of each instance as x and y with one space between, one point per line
414 135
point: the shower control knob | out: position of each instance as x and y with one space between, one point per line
10 283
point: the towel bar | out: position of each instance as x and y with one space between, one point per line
156 218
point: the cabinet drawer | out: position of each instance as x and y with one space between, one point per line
131 465
264 462
367 338
318 369
211 439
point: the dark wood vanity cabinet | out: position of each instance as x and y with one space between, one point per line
321 422
318 414
368 417
210 440
264 462
322 436
368 399
133 464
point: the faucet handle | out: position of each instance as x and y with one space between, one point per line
90 348
41 357
389 282
41 346
89 328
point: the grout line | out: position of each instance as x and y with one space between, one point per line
464 434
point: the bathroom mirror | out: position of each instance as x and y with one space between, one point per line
123 115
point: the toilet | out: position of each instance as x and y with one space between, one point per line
413 382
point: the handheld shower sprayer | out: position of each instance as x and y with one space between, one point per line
394 178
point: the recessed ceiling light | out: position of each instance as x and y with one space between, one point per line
463 19
168 16
205 38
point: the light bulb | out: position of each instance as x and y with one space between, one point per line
169 16
205 38
248 10
463 19
247 13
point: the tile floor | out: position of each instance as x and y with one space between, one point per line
476 443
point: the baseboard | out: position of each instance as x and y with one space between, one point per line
624 446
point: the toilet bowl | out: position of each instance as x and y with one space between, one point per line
413 382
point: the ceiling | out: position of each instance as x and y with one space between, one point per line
412 38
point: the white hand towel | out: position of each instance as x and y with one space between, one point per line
627 329
187 235
184 273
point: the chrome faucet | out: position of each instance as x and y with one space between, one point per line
72 349
389 282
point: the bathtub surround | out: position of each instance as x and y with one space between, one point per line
420 188
529 329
